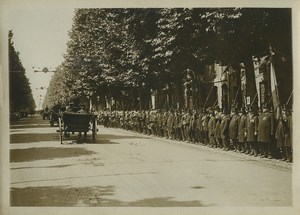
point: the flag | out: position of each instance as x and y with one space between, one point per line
274 89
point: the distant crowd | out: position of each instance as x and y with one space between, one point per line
244 131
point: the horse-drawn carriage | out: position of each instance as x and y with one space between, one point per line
71 122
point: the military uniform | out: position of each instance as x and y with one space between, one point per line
199 128
192 127
242 133
164 124
205 120
186 124
170 123
182 125
211 130
265 132
178 125
224 131
287 123
233 130
280 137
251 130
218 132
159 127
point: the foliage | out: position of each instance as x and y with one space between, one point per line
21 98
118 53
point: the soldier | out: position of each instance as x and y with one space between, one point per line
153 121
251 131
211 129
205 120
266 131
288 126
159 117
182 126
242 131
186 123
218 131
143 121
233 129
170 123
177 128
279 136
224 130
198 117
191 126
106 118
147 123
164 124
198 131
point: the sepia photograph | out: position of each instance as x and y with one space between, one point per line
176 107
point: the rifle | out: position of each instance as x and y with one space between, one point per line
215 103
236 95
197 100
208 96
287 102
253 99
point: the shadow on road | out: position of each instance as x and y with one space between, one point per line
38 167
86 196
23 126
40 137
102 138
29 120
46 153
33 137
108 138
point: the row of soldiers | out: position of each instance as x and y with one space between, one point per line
246 131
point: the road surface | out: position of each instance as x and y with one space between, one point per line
128 169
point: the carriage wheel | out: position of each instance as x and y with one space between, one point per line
94 130
60 130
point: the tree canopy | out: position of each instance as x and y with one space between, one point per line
117 53
21 98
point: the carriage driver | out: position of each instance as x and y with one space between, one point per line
74 101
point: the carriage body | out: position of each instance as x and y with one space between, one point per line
70 122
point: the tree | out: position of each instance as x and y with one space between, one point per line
21 98
238 34
59 87
124 53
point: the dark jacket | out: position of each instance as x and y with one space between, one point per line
233 127
265 127
242 128
251 128
224 127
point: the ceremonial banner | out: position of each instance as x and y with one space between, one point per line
274 88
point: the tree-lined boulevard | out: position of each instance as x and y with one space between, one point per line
196 106
128 169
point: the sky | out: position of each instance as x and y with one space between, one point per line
40 36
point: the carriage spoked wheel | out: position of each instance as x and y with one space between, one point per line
94 130
60 125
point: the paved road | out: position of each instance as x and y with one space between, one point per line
129 169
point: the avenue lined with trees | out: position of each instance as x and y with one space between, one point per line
126 55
